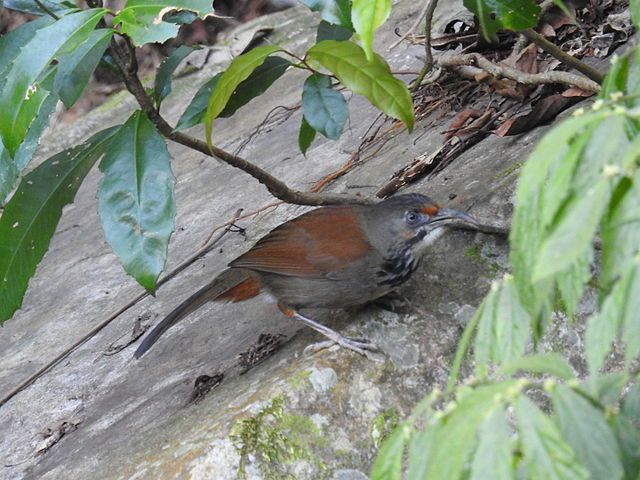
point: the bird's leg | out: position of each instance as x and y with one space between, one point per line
360 345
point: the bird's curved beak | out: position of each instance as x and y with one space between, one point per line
446 216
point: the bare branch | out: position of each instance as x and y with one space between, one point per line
477 60
563 56
275 186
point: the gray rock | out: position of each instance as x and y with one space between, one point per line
349 475
323 379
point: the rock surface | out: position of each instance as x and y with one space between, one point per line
134 419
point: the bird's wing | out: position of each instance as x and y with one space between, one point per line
313 245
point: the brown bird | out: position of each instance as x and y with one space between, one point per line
330 257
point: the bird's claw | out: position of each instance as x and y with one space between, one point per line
360 345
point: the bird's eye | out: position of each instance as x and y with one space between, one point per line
411 217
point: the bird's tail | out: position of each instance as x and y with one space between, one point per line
232 285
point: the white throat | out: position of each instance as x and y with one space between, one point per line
427 241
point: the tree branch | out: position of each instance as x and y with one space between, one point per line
563 56
275 186
477 60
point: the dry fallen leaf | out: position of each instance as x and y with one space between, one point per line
460 120
542 112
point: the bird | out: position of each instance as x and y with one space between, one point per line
331 257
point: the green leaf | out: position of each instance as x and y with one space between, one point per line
10 168
629 314
162 83
31 7
388 463
329 31
367 16
324 109
76 66
420 448
503 328
572 281
557 188
31 216
620 231
631 404
634 7
493 458
607 388
631 158
194 114
21 98
511 324
181 17
616 78
135 199
457 435
586 431
570 239
484 318
550 363
11 43
628 437
620 309
627 429
144 20
602 330
337 12
496 15
371 79
607 145
546 455
544 185
239 69
623 76
306 136
256 84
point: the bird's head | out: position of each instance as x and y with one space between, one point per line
413 220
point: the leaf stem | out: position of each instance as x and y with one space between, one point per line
46 10
430 7
301 60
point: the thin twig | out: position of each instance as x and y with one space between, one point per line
269 121
413 26
240 216
275 186
428 61
563 56
475 59
46 10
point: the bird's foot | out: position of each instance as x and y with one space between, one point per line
359 345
